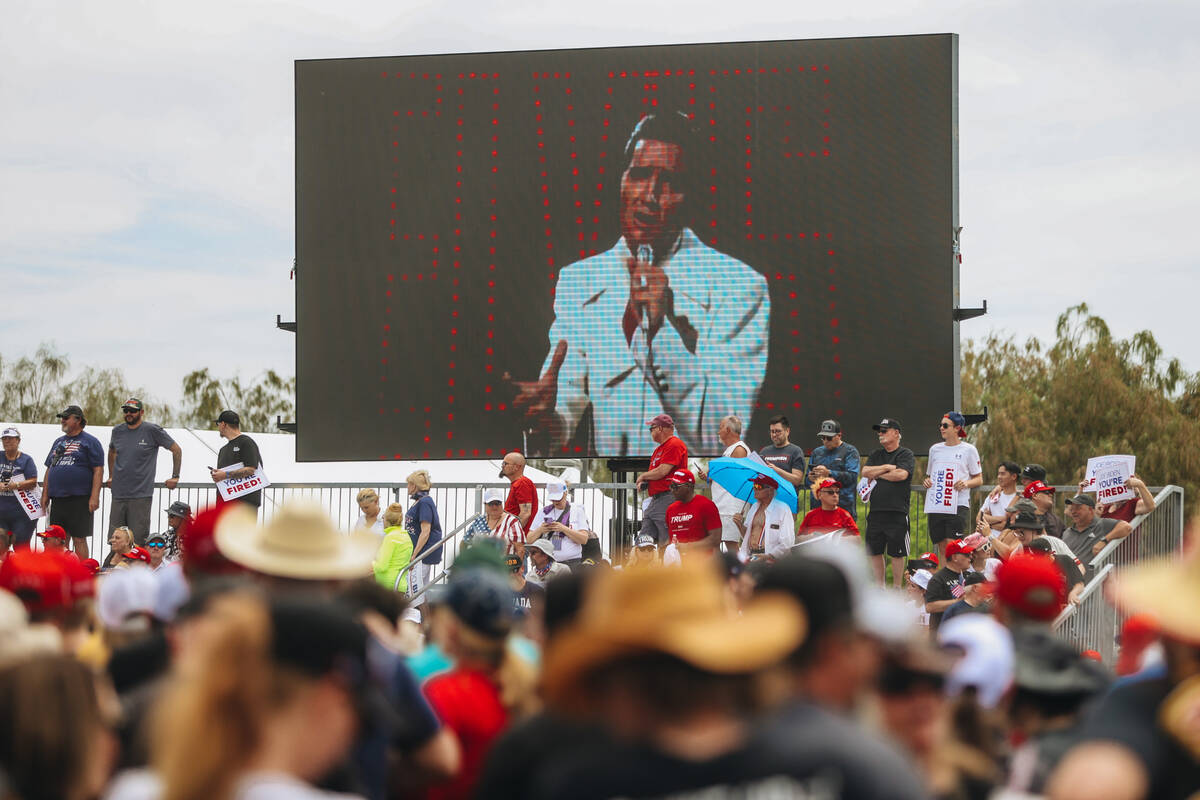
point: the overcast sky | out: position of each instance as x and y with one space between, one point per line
146 156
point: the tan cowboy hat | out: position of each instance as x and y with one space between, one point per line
300 541
1168 590
678 611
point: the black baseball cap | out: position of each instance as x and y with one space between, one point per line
885 423
974 578
830 427
71 411
1082 500
229 418
1033 472
1028 521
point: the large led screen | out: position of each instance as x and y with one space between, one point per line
543 250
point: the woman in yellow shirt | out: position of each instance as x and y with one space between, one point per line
395 551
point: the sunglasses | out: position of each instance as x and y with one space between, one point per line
492 503
156 545
946 425
128 410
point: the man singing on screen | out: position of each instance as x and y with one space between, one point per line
660 323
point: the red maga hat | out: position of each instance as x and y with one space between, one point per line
138 554
829 483
53 532
680 476
1032 586
958 546
41 580
1034 487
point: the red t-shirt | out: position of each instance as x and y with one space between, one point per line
691 521
821 521
672 451
1125 512
522 491
468 703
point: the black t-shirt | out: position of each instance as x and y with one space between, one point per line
942 586
803 752
1128 715
892 495
241 449
521 751
1069 570
529 594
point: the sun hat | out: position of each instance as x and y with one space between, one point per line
680 612
300 541
543 545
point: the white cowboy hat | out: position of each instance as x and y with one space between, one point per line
300 541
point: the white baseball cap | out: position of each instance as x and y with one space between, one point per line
10 431
921 578
555 491
493 496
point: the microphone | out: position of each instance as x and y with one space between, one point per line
645 255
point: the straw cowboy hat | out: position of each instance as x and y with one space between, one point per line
1167 590
680 612
300 541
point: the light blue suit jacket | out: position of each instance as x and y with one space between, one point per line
727 303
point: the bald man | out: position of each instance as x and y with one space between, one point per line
522 494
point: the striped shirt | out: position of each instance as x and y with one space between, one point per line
509 529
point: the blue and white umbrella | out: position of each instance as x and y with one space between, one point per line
736 476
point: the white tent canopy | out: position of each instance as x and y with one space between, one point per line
278 452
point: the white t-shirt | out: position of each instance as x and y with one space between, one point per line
376 528
967 457
999 506
564 548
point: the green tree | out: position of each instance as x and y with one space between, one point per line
31 388
34 389
1087 394
258 401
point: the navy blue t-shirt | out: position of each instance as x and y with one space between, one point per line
424 510
70 464
22 465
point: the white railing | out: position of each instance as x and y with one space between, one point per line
612 508
1093 624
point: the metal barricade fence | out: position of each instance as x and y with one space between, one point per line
613 508
1094 624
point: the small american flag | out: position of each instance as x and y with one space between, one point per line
958 589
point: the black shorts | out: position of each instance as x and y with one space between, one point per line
948 526
887 532
73 514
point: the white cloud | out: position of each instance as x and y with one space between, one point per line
53 206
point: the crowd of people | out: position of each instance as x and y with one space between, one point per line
740 650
